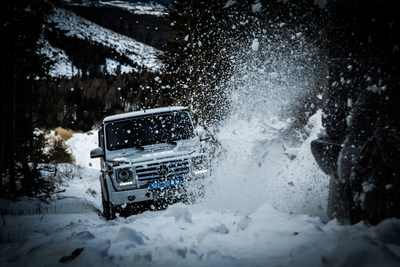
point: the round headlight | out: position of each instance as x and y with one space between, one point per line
124 175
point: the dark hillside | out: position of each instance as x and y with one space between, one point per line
79 102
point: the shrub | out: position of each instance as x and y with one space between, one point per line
65 134
59 152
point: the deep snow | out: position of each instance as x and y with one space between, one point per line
255 213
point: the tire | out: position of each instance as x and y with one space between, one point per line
376 177
109 210
337 201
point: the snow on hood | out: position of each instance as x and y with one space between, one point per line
154 152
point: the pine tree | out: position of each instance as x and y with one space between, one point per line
22 25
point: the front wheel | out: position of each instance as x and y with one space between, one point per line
109 210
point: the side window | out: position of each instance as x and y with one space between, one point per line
101 138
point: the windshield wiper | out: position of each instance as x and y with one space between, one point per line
170 142
137 147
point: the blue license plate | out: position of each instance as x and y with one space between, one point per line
165 184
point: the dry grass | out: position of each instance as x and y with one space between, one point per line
65 134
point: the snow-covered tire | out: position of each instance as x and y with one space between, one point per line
109 210
337 205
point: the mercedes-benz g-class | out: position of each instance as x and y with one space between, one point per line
149 156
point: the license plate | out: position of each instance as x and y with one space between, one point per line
165 184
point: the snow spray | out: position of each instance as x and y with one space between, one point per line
260 164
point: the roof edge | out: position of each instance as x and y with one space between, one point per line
142 112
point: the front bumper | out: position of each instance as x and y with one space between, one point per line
192 185
326 153
191 171
141 195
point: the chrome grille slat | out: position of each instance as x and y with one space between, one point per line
149 171
151 177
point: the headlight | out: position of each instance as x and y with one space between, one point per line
202 171
124 177
200 165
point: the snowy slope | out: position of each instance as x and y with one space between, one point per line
218 231
82 28
62 65
150 8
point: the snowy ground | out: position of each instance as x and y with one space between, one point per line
261 209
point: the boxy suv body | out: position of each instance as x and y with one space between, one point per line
149 156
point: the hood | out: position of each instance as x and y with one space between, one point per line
154 152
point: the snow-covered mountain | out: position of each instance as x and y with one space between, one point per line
137 53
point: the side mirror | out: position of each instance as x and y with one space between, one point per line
204 136
97 153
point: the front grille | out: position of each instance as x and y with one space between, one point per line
161 170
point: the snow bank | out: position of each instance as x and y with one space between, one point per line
81 144
191 236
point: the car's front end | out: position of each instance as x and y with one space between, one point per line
150 156
166 178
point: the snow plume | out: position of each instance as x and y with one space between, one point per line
272 77
260 163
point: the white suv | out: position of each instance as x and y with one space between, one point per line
149 157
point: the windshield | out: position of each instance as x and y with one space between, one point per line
154 129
